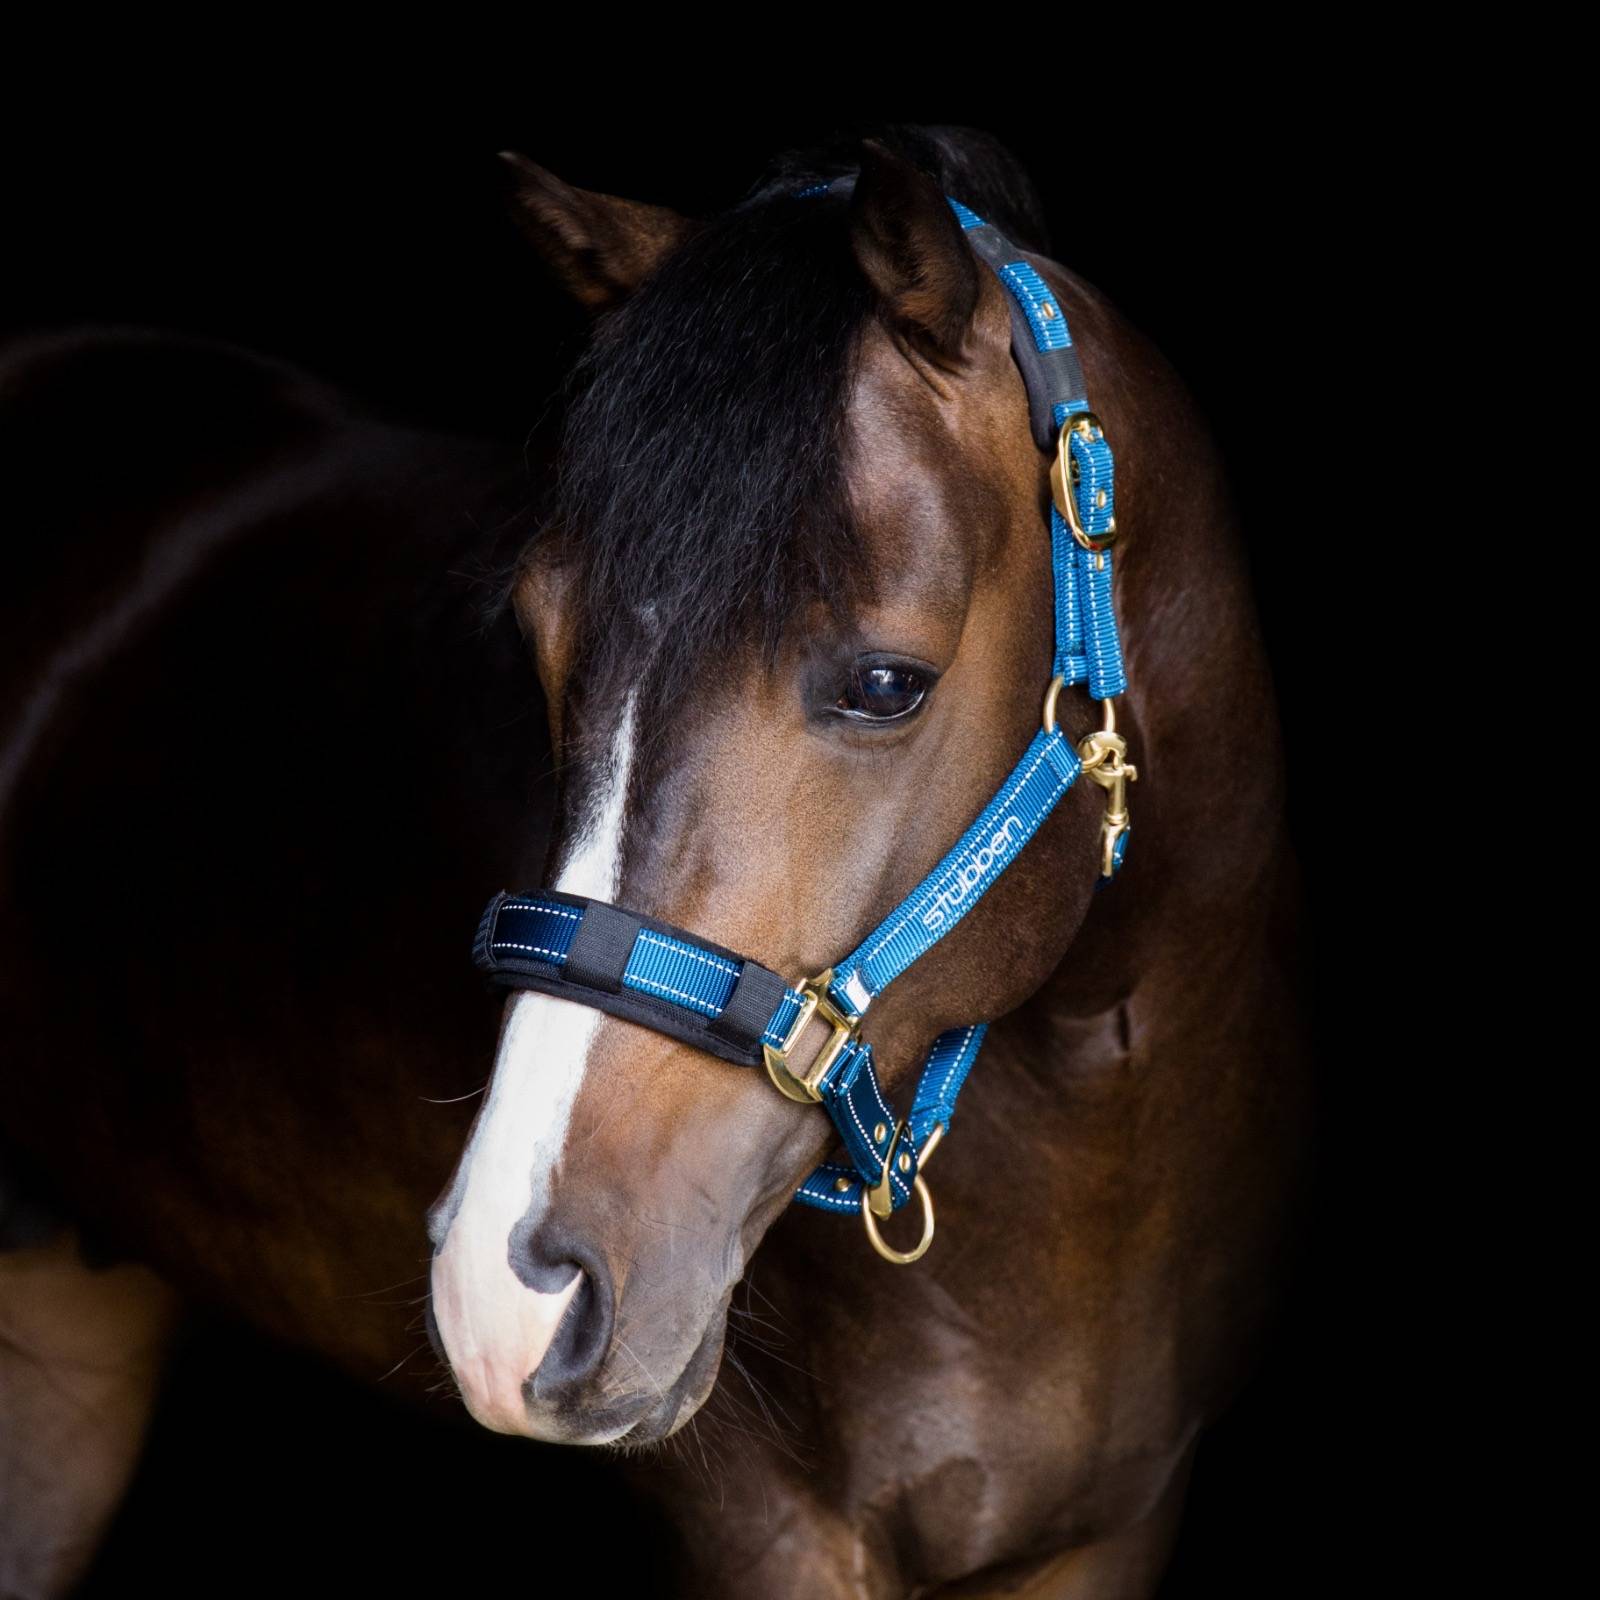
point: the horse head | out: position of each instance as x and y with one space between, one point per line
791 612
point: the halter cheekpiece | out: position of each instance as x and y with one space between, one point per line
667 979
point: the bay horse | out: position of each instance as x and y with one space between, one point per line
272 736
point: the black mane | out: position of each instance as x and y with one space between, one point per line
700 490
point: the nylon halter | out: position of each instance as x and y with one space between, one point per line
667 979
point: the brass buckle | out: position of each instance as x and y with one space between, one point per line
1064 482
814 1003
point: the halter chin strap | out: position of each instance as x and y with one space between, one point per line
667 979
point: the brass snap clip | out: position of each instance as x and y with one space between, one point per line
1103 754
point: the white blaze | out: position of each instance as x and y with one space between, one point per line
495 1328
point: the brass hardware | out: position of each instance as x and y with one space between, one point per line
1051 695
842 1185
901 1258
879 1134
880 1197
814 1003
1064 478
1046 310
1103 755
1108 725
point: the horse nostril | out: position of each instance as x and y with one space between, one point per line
578 1348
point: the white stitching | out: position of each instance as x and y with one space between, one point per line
855 1117
683 950
775 1039
538 949
957 1062
634 981
540 905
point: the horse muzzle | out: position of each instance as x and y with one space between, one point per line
588 1246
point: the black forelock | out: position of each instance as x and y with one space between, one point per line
701 487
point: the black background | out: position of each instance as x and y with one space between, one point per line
375 250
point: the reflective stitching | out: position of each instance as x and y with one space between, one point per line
677 949
855 1117
540 905
772 1034
538 949
843 1202
636 982
960 1054
888 1116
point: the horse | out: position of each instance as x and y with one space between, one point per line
742 640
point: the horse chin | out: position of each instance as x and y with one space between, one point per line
642 1420
678 1407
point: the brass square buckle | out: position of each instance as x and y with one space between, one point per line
814 1003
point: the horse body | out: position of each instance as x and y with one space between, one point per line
251 763
272 749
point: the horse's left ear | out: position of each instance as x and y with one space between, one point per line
600 246
908 243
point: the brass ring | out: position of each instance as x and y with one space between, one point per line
902 1258
1051 695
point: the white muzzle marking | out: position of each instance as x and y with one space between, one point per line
496 1329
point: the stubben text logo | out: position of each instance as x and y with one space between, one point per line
953 893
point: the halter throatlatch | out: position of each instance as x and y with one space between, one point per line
667 979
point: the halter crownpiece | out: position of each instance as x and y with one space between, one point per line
652 973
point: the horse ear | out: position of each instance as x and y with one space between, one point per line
908 243
600 246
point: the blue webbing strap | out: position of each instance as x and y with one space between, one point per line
1087 649
855 1102
691 990
528 941
533 941
951 890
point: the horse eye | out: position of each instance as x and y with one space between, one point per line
878 693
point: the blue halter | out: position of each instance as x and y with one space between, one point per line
667 979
